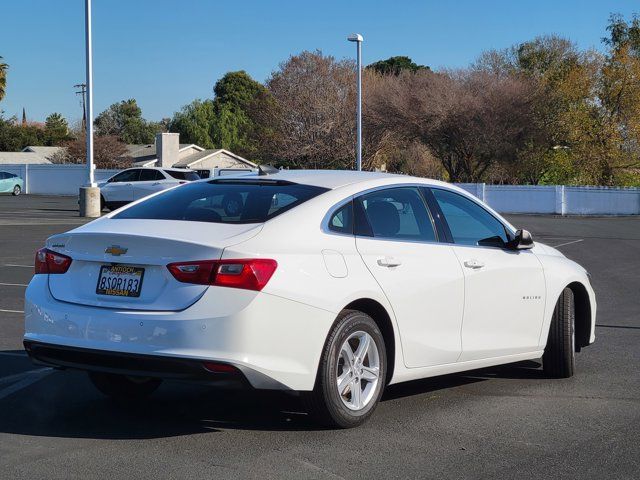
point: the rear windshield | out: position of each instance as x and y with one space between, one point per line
191 176
224 202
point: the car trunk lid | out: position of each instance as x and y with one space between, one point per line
141 244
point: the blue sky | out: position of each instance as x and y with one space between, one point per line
166 53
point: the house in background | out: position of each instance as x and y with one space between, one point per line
48 153
168 152
25 157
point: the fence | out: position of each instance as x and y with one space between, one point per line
54 179
557 199
554 199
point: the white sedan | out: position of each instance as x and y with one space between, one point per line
332 284
135 183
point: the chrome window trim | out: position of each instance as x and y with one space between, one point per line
324 226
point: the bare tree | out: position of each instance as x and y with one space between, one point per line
470 120
108 152
309 118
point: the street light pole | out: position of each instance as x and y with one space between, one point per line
89 81
356 37
89 196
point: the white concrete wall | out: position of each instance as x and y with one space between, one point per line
54 179
557 199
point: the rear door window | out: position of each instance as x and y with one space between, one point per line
224 202
342 220
150 174
398 213
126 176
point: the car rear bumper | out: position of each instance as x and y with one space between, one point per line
59 356
276 343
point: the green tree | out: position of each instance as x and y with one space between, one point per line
225 121
14 137
236 93
3 78
396 65
623 34
124 120
56 129
194 123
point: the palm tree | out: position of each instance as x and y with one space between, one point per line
3 78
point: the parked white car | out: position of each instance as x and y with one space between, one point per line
332 284
135 183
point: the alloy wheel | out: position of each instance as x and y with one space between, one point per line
358 370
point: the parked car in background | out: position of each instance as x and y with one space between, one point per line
220 172
332 284
11 183
135 183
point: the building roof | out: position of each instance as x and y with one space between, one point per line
22 158
146 155
194 158
44 152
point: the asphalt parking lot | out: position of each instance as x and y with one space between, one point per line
506 422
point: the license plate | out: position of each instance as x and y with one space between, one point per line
120 281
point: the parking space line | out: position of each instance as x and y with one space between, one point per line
13 284
11 311
568 243
16 265
30 378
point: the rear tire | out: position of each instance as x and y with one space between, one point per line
103 204
16 191
558 360
121 387
353 357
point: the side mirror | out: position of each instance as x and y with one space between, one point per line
522 241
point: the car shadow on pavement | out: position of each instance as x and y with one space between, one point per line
517 371
65 404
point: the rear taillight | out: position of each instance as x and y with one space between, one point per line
249 274
48 261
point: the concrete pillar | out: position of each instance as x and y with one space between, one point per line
90 202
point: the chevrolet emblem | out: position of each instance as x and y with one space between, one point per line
116 250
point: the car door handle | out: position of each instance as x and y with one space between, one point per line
154 184
473 263
389 262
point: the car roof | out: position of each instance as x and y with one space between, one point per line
333 179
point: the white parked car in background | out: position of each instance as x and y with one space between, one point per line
135 183
332 284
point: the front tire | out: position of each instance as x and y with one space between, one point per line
16 191
352 372
124 388
558 360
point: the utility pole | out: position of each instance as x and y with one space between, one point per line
83 91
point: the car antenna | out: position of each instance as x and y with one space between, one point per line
267 169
